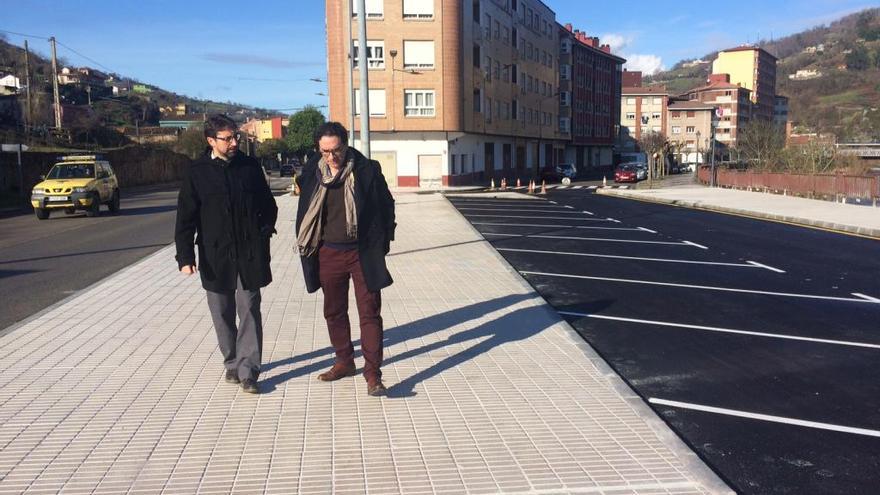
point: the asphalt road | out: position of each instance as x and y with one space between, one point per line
44 261
757 342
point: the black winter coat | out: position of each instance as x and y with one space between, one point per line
376 220
231 212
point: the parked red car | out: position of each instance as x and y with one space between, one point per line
626 173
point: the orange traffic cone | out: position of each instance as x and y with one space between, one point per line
492 185
604 181
531 187
517 183
543 187
504 183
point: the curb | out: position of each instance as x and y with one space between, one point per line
868 232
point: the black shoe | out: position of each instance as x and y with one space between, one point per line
249 385
232 376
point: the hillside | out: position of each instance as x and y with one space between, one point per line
143 109
844 97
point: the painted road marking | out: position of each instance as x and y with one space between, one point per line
636 258
694 244
573 187
591 187
612 220
869 298
572 238
647 230
532 210
705 287
546 208
724 330
544 218
777 270
765 417
548 225
587 212
570 207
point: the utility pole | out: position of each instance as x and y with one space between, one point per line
365 83
55 85
27 82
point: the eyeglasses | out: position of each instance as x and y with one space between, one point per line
337 152
228 139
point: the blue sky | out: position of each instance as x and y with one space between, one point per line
263 54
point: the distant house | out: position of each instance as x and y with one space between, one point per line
141 89
84 76
183 121
10 81
805 74
263 129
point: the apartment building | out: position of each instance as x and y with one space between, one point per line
589 96
754 69
263 129
733 103
690 128
460 92
642 110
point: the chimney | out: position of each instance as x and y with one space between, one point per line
606 48
568 27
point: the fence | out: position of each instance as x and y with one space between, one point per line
820 186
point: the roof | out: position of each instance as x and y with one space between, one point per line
690 105
717 86
748 48
645 90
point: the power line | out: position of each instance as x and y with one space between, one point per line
25 35
108 69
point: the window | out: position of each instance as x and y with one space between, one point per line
476 11
375 54
565 72
377 102
497 71
418 54
497 30
676 129
418 103
374 9
630 101
487 26
658 100
454 158
630 116
655 115
691 129
476 55
506 35
691 114
478 99
418 9
676 115
487 115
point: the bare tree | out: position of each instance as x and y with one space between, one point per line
761 143
654 145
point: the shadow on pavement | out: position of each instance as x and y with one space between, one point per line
83 253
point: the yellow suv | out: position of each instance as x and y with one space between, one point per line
79 182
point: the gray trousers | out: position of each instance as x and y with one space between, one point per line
242 347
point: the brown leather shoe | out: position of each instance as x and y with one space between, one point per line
376 389
336 372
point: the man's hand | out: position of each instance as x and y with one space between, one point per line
188 269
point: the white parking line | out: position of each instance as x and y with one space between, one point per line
573 187
544 218
704 287
724 330
550 225
528 206
765 417
591 187
612 220
647 230
569 207
636 258
867 298
761 265
694 244
572 238
587 212
522 210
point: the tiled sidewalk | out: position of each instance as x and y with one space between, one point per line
119 389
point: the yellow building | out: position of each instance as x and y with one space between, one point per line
752 68
263 129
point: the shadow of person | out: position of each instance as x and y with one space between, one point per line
413 330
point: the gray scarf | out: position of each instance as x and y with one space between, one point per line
311 230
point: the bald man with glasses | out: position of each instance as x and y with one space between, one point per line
226 205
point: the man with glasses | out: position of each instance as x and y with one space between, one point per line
345 225
226 204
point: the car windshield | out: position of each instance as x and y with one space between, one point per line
565 166
626 168
72 171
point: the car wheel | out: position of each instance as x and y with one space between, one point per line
566 181
95 208
42 213
70 211
114 203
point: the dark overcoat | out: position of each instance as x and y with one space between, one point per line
375 217
230 210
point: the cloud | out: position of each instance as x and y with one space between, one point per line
648 64
617 41
248 59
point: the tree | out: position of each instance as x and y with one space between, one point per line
858 59
761 142
191 142
654 144
271 148
301 129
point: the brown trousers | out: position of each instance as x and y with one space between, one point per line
336 267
